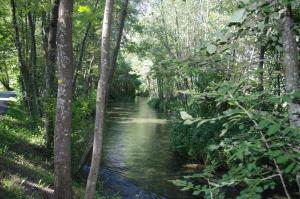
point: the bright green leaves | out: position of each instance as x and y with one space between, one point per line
238 16
84 9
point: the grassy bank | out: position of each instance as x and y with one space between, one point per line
26 170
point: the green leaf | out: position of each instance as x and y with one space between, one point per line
238 16
188 122
185 116
273 129
281 159
180 183
185 188
84 9
240 154
279 48
223 132
196 193
297 94
211 49
263 124
287 99
275 100
290 168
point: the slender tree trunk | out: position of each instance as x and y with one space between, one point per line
82 49
292 70
87 77
118 42
62 133
262 53
160 88
261 67
45 31
51 87
165 34
100 103
25 73
33 58
177 38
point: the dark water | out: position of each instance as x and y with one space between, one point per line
137 149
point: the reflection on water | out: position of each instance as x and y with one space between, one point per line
136 145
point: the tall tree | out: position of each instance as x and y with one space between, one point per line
100 100
62 133
33 55
118 41
262 53
292 68
292 71
51 87
24 70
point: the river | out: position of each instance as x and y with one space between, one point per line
137 153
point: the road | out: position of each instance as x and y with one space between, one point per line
4 99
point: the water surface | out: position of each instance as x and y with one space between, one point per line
137 148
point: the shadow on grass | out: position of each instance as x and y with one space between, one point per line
22 157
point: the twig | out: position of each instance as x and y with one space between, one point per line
211 194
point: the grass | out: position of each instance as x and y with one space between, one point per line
26 171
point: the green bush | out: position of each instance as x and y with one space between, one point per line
256 142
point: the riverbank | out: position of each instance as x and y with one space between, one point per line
26 171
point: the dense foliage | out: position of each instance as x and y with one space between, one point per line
226 71
222 66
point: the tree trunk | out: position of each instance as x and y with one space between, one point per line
165 38
33 58
261 67
100 103
292 71
62 140
118 42
51 87
25 73
262 53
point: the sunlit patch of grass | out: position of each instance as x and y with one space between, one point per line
10 187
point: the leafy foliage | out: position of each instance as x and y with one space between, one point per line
254 139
